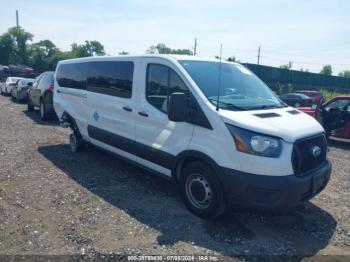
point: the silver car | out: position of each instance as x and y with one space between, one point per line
20 91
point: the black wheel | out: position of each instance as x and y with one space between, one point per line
43 111
201 191
76 143
30 107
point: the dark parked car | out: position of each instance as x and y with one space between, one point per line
20 91
297 100
41 95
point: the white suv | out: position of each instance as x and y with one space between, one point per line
211 126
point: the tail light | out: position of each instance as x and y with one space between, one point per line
50 88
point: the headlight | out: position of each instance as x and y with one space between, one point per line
254 143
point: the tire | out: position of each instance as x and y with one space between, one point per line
202 191
30 107
297 105
76 143
43 111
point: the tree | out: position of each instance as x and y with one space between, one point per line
21 39
14 46
7 48
287 66
231 59
163 49
90 48
123 53
41 55
345 73
326 70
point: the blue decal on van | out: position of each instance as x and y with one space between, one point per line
96 116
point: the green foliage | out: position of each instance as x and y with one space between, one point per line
7 49
283 89
43 55
21 39
330 94
14 46
287 66
123 53
163 49
345 73
326 70
90 48
233 59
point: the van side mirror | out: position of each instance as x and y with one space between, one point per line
178 110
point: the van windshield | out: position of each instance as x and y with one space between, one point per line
240 89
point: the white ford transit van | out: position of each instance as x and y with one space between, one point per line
214 128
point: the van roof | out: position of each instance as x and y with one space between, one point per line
164 56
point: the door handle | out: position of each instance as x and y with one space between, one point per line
143 113
126 108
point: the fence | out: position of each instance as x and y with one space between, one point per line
274 77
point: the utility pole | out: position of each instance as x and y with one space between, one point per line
259 54
17 22
195 46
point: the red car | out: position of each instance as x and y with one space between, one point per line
334 116
316 95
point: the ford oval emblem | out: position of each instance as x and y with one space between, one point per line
316 151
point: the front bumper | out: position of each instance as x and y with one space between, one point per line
273 192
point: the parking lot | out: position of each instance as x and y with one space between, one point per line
55 202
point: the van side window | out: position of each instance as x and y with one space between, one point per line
72 75
111 78
162 81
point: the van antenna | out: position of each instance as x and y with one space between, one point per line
219 81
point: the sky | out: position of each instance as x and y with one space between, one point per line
309 33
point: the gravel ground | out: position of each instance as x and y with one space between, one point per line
53 202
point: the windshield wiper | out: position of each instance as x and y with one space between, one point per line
228 105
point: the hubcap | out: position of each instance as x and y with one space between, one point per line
198 191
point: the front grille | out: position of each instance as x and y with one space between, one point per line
303 158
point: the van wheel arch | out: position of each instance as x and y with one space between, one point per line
66 117
186 157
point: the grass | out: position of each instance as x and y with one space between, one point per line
330 94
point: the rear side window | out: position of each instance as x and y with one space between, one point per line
162 81
46 80
72 75
111 78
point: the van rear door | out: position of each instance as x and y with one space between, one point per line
71 90
111 105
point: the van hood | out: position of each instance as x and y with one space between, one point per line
287 123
